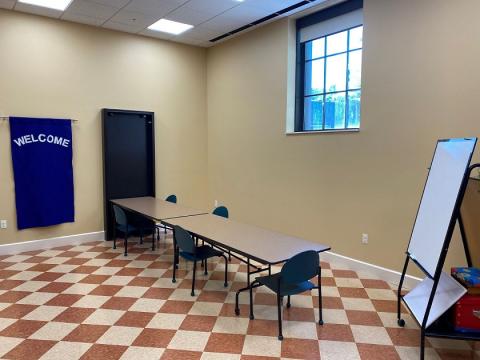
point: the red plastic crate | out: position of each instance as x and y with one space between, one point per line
467 313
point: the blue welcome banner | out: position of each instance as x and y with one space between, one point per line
43 171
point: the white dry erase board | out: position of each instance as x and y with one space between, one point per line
447 171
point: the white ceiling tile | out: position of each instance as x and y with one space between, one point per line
186 40
213 7
157 8
91 9
271 6
203 34
236 17
38 10
245 13
188 16
203 31
7 4
121 27
114 3
156 34
134 19
82 19
224 24
211 18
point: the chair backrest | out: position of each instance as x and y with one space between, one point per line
220 211
183 239
120 216
171 198
301 267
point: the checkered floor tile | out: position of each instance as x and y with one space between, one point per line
91 302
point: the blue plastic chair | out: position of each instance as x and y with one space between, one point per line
121 224
221 211
184 246
294 278
171 198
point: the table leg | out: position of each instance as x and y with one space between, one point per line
250 292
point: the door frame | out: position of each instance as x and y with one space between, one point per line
106 112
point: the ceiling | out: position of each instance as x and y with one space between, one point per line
211 18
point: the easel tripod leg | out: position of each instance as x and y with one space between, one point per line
422 345
400 321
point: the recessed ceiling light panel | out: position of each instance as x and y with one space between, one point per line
60 5
171 27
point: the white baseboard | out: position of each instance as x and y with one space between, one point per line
76 239
390 276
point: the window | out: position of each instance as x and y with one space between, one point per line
329 66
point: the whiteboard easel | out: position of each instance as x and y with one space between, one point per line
434 224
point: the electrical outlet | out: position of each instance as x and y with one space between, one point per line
364 238
3 224
216 203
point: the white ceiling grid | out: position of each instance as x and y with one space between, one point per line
210 18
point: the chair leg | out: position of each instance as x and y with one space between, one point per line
165 229
141 236
279 306
320 310
114 237
229 256
176 257
174 264
126 244
225 284
193 278
205 268
153 239
250 293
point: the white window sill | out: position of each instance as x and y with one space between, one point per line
322 132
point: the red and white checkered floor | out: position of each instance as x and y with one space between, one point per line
91 302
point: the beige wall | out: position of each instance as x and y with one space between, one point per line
419 84
54 68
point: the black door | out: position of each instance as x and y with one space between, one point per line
128 158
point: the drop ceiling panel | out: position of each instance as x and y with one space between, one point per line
91 9
271 6
245 13
188 16
223 24
82 19
157 8
213 7
114 3
7 4
204 32
210 18
188 40
156 34
113 25
135 19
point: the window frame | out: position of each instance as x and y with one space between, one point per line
323 15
